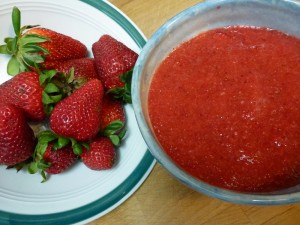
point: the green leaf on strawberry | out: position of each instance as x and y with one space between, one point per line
58 142
38 164
61 142
16 20
46 136
44 156
13 66
115 131
46 76
56 87
33 168
24 51
3 49
30 40
20 165
77 146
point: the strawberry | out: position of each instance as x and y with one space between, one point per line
78 115
35 94
114 63
17 139
83 67
59 159
24 91
53 154
112 109
33 45
101 154
60 46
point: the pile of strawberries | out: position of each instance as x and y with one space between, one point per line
80 99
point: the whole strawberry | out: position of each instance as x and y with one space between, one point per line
78 115
59 160
114 63
83 67
60 47
101 154
33 45
53 154
17 139
112 109
24 91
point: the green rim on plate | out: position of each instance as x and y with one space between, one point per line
120 192
87 211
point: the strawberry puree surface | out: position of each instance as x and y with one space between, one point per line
225 106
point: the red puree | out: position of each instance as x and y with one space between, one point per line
225 106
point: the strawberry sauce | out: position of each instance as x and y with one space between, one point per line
225 106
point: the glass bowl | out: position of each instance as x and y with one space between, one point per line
281 15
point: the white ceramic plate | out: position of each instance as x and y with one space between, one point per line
79 195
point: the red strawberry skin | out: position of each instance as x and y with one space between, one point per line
17 139
83 67
24 91
112 59
101 155
112 109
61 47
78 115
60 159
